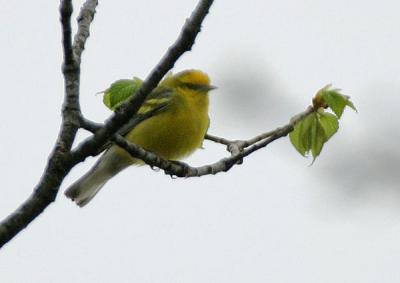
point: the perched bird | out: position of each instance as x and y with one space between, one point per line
175 130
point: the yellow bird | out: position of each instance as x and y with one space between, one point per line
174 131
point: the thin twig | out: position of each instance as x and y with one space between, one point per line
90 125
239 145
85 18
65 18
181 169
217 139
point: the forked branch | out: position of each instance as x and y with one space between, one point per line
62 159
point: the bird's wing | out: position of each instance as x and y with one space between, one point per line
156 103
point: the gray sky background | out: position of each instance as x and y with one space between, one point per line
273 219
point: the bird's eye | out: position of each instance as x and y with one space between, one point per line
193 86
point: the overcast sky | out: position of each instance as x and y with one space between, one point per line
273 219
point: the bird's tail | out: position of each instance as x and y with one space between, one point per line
86 187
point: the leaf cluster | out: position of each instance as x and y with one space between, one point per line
314 130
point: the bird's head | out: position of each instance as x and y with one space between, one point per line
194 80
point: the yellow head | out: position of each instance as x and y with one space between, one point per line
193 80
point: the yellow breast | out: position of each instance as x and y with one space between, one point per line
176 132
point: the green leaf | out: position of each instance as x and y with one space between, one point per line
350 104
329 123
312 132
295 139
300 136
306 128
120 91
335 100
317 138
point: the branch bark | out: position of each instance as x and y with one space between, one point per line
58 165
238 149
62 159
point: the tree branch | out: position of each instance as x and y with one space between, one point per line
71 67
65 18
243 149
59 163
85 18
61 159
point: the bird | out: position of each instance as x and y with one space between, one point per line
175 129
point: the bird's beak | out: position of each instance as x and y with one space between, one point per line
209 87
